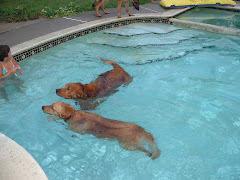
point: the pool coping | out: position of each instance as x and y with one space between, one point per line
25 46
14 155
29 48
25 162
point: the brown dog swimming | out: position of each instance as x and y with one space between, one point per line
129 135
103 86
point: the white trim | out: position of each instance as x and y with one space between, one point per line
74 19
150 9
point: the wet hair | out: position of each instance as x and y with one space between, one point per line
4 50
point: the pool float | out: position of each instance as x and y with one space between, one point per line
194 3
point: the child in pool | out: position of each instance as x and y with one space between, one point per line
8 65
8 68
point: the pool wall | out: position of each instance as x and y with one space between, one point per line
208 27
43 43
205 27
29 48
17 163
228 8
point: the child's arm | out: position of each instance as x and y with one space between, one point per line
12 71
16 65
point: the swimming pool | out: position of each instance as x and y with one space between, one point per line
185 92
219 17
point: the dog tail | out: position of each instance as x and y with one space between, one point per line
152 145
111 63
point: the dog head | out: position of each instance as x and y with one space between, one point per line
73 91
61 109
136 4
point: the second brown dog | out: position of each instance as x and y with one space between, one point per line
129 135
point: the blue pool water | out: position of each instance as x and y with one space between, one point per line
219 17
185 92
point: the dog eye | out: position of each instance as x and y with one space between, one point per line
68 88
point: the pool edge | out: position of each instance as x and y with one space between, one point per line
205 27
25 46
29 48
17 163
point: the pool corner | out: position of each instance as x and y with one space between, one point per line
17 163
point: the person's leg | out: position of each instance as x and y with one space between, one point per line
3 91
18 83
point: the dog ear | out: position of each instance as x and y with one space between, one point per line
66 112
91 90
81 92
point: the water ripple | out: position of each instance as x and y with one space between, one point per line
182 54
146 45
228 172
140 34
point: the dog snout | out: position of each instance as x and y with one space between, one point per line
57 90
43 107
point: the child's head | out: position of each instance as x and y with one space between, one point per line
4 50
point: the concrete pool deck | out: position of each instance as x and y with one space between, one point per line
22 36
25 31
17 163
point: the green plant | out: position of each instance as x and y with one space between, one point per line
15 10
51 12
18 14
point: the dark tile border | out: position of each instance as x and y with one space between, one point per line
21 56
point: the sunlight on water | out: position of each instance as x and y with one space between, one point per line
185 92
